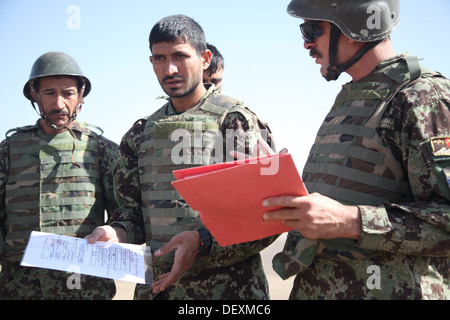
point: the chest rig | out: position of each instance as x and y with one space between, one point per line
349 161
172 142
53 186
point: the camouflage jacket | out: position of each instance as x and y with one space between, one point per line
404 249
101 158
233 272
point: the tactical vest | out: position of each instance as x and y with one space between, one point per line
54 186
349 161
171 142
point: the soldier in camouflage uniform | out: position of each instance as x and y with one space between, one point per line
186 255
56 177
376 223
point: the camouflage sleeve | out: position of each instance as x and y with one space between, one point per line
420 137
126 186
4 151
108 153
249 124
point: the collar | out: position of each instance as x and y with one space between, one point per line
209 92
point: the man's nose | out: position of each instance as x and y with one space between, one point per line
309 45
170 68
60 102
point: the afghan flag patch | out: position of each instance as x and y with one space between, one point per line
440 146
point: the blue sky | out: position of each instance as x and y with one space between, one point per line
266 65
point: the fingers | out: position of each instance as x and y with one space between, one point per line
161 284
179 267
263 149
165 249
281 214
283 201
103 233
287 204
96 235
164 281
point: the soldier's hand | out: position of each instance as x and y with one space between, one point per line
186 246
107 234
316 216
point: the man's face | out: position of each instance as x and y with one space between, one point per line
318 49
58 99
215 78
178 67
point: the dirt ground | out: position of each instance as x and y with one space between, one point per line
279 289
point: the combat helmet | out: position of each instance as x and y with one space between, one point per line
55 64
360 20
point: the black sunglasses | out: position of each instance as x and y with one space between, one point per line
311 31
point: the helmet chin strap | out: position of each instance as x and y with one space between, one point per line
57 128
334 69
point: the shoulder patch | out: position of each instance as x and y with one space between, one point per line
440 146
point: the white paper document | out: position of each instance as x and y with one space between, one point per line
119 261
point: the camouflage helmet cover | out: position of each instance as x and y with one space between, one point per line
360 20
55 64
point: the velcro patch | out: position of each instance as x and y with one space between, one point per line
441 146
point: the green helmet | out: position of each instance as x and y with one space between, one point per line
55 64
360 20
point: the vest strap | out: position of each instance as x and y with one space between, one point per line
344 195
365 154
357 176
350 129
169 213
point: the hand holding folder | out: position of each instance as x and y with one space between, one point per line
228 195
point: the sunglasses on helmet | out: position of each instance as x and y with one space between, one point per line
311 31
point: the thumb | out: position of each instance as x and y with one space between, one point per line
95 235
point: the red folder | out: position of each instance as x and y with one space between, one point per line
228 195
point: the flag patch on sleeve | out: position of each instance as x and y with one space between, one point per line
441 146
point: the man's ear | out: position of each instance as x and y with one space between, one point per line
206 59
151 59
32 92
78 110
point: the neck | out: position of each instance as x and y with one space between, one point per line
48 129
371 60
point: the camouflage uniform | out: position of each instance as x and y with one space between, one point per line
403 252
60 184
233 272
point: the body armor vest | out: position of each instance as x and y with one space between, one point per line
165 212
53 186
349 161
173 142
